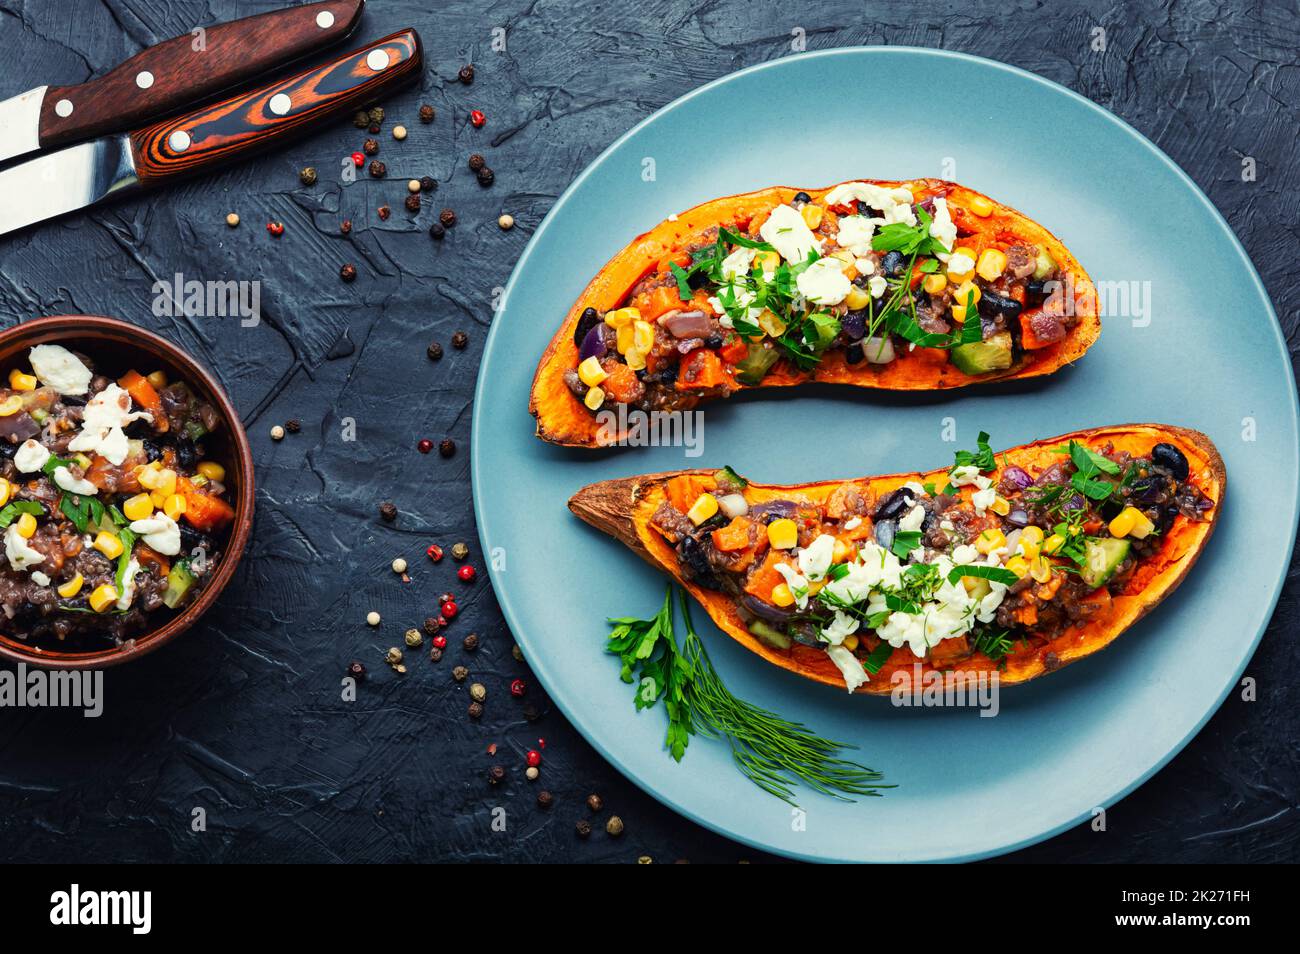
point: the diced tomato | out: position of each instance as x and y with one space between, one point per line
734 536
144 395
203 511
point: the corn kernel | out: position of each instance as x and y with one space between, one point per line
770 322
1001 506
158 379
622 317
857 298
705 506
635 359
623 338
139 507
1040 570
6 491
214 471
960 256
643 336
72 587
1052 545
11 405
1032 534
148 477
26 526
990 540
812 215
815 586
843 552
1124 522
934 283
965 291
977 587
767 261
594 398
157 498
167 481
981 206
782 534
850 642
958 312
105 595
1018 565
22 382
1142 527
108 544
781 595
174 506
992 263
590 373
1029 548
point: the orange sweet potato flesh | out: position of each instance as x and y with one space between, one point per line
563 419
623 508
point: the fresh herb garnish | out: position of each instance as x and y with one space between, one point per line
879 656
994 643
11 511
911 240
995 574
648 645
905 541
982 457
124 561
1089 464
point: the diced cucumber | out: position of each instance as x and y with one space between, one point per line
751 368
769 634
1045 264
981 357
179 581
1101 557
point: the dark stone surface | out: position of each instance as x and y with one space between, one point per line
243 717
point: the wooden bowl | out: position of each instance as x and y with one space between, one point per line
112 343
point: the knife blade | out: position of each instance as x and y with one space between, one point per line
88 173
171 75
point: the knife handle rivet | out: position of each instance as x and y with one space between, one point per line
179 140
63 108
280 103
324 19
144 79
377 60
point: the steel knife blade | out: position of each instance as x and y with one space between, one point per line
64 181
20 120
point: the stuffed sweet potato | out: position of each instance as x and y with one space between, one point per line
1019 562
864 283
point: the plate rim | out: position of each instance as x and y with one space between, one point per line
505 602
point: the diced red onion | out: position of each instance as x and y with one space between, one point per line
1017 476
878 350
687 324
733 505
593 346
1018 518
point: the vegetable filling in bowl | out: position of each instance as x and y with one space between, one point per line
110 514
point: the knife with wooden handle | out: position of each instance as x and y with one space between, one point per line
172 75
201 140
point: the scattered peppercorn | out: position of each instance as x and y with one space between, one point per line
645 860
356 670
466 573
434 552
361 120
446 447
431 625
345 227
476 162
393 656
440 641
447 217
293 425
614 827
517 653
413 638
532 713
373 618
413 185
478 692
459 340
449 609
460 674
486 177
399 565
388 510
466 74
476 118
434 351
534 758
545 799
583 828
348 272
435 654
376 114
232 219
496 774
275 228
377 169
471 642
358 159
436 232
307 176
384 213
459 551
428 183
373 128
476 710
506 222
447 598
517 688
277 433
531 773
427 113
399 133
413 203
370 147
424 446
595 803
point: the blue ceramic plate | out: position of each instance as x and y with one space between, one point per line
1206 354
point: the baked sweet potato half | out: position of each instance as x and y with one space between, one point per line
1020 562
868 283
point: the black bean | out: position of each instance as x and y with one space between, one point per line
892 263
893 504
589 319
853 353
696 561
186 455
801 198
1171 459
152 450
991 304
713 341
1035 292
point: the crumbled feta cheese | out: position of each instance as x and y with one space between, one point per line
848 664
57 367
852 523
942 228
128 584
894 204
39 578
823 282
964 554
796 581
159 532
74 485
913 519
840 626
19 552
964 475
103 419
31 456
981 500
737 264
855 234
815 559
787 232
865 266
916 488
876 284
961 263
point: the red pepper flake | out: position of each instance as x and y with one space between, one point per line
517 688
440 641
466 573
541 743
424 446
476 118
275 228
534 758
434 552
358 159
450 609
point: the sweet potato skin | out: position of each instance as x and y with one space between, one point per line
622 508
562 418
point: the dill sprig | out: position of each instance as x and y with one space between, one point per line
772 752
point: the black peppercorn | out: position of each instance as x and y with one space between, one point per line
427 113
476 162
377 169
471 642
595 802
348 272
307 176
459 339
531 712
434 351
361 120
435 654
486 177
293 425
476 710
460 674
384 213
466 74
545 799
431 625
376 114
447 217
345 227
356 670
388 510
496 774
436 231
413 202
583 828
446 447
428 183
370 147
